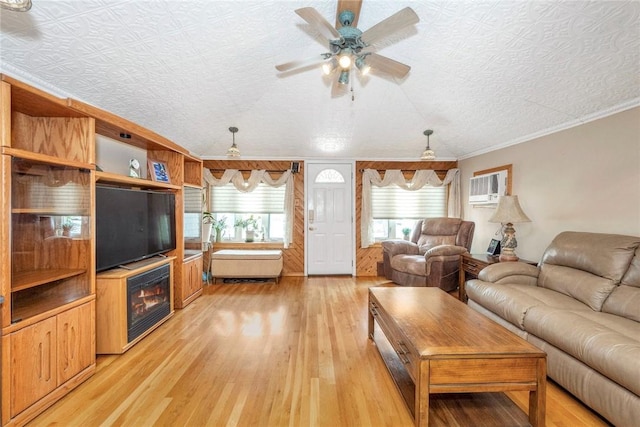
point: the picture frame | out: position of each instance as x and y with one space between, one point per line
158 171
494 247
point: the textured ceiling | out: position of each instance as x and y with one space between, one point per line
485 74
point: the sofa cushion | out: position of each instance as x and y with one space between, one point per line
587 266
605 255
427 242
625 299
607 343
438 231
512 301
586 287
632 276
441 226
411 264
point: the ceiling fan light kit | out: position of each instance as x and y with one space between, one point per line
345 60
233 151
428 153
362 66
348 46
329 66
344 77
16 5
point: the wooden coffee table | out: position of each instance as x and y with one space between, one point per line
442 346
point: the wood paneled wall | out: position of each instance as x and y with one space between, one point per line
366 259
293 256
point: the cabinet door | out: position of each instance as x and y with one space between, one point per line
196 275
185 284
33 364
76 341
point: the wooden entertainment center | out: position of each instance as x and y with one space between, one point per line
48 175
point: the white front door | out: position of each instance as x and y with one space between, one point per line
329 218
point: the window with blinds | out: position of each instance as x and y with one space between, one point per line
192 213
265 203
395 209
394 202
263 200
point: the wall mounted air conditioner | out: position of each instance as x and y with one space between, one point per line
486 189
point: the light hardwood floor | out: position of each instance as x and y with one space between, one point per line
261 354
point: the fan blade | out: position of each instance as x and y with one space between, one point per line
316 60
316 20
394 23
352 5
387 65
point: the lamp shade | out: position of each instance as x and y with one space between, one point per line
428 154
509 211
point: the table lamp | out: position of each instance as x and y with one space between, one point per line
508 212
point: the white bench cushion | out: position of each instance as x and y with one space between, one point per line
247 254
238 263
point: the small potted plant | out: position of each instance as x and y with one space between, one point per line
250 225
66 225
207 225
405 233
219 226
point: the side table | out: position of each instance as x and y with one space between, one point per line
470 266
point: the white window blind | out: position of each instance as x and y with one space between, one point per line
393 202
192 200
263 200
63 191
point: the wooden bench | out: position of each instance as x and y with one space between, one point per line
246 264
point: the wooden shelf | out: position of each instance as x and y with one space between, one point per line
48 212
114 178
111 126
44 305
35 102
191 254
29 279
44 158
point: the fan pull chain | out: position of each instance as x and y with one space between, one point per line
353 97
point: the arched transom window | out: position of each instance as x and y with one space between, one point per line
329 176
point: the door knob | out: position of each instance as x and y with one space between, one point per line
312 228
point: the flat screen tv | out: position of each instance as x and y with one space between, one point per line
132 225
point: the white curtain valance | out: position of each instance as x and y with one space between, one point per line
395 177
257 176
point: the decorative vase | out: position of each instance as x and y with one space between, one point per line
237 233
219 235
406 237
206 232
249 236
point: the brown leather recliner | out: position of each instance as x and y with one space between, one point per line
432 256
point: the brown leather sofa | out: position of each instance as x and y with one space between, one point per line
432 255
581 305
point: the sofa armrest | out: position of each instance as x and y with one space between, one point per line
444 250
510 272
395 247
444 258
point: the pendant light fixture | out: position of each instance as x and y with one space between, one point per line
428 153
233 150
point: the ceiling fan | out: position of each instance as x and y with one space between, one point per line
349 47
